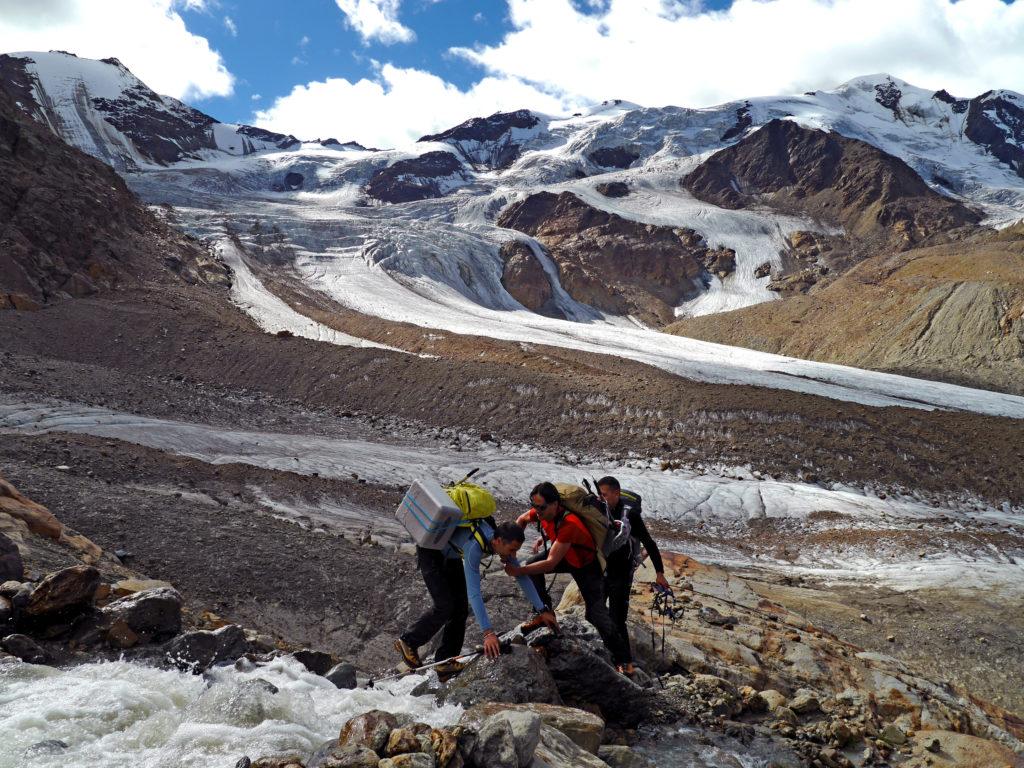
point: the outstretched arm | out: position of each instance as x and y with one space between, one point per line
639 529
555 554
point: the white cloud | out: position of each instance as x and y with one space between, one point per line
230 26
376 20
396 108
148 36
256 96
659 52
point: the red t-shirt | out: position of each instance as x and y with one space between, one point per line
572 531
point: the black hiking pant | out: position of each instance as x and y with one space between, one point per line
618 586
591 585
446 583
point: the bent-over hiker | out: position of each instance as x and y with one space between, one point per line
452 576
622 562
572 551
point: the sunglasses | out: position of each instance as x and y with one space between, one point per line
542 507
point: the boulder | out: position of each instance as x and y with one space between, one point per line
154 612
11 566
772 699
6 609
64 591
37 517
513 678
25 648
525 733
317 662
334 755
586 679
613 188
584 728
199 650
496 745
805 702
342 675
401 741
623 757
370 729
556 750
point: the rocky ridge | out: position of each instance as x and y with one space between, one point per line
615 264
72 226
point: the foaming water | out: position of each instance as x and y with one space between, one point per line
119 714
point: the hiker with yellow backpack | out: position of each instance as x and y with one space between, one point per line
579 535
455 529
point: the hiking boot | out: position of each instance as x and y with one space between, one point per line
409 655
448 670
626 670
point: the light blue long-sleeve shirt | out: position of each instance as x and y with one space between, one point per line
464 544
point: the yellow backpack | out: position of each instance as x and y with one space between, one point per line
477 504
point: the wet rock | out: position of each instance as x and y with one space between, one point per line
243 762
513 678
370 730
24 648
584 728
763 270
11 566
401 741
6 609
556 750
291 761
154 612
623 757
332 754
342 675
120 635
62 592
317 662
199 650
48 747
445 742
496 745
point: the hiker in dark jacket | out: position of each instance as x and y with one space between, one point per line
452 576
572 551
622 562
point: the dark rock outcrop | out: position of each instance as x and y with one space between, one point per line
613 188
525 279
617 265
613 157
317 662
418 178
488 141
743 121
875 196
25 648
995 120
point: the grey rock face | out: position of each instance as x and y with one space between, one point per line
515 678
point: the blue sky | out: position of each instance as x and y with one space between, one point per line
268 56
384 72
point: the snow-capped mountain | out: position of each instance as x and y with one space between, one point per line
103 109
417 234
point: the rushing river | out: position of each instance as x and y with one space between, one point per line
121 715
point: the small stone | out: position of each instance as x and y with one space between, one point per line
772 699
893 734
934 746
243 762
864 617
48 747
805 702
891 638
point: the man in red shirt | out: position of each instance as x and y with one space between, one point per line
572 551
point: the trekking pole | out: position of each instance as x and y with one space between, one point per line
471 473
465 657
